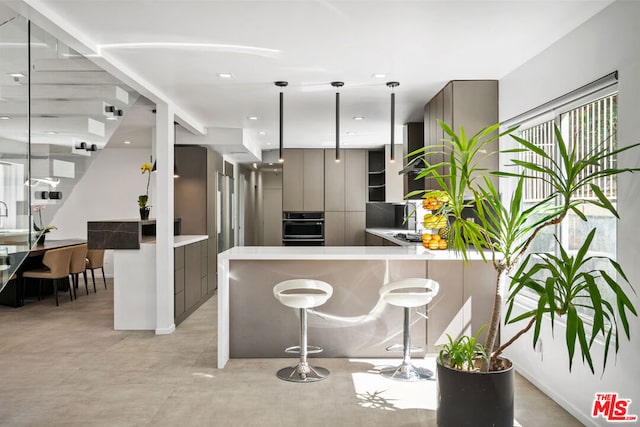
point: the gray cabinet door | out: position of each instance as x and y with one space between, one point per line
334 228
272 216
334 182
193 274
292 181
354 228
355 180
373 240
313 180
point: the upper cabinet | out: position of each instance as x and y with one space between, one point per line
413 134
469 103
355 180
345 182
345 198
303 180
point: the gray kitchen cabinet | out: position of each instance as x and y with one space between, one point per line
313 180
413 134
272 217
303 180
195 201
355 180
334 228
355 224
292 180
192 269
191 272
469 103
344 228
373 240
334 183
345 198
178 281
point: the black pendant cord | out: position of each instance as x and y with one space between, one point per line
281 84
281 141
337 85
29 127
337 126
393 85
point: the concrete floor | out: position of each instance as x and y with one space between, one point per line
66 366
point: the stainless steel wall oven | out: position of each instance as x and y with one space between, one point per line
303 228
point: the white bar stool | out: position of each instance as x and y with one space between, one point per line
408 293
303 294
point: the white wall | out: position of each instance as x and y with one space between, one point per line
607 42
108 190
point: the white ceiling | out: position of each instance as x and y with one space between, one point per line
180 46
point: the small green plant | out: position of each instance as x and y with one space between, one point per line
464 352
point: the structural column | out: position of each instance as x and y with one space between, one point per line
164 218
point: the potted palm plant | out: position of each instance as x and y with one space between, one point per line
560 282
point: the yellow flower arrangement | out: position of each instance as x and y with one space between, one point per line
144 198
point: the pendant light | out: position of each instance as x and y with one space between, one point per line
337 85
281 84
392 86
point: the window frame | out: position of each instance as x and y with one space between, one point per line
537 117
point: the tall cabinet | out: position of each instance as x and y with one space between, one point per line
303 180
195 203
469 103
345 186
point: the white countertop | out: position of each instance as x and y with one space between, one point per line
187 239
413 252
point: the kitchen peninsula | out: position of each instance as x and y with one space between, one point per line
354 322
134 274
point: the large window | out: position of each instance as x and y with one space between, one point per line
584 126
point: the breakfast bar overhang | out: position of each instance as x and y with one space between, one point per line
355 322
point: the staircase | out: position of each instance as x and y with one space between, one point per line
58 110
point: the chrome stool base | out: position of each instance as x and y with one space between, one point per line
407 372
303 373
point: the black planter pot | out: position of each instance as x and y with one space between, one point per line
144 212
475 398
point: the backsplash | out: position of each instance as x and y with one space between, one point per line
390 215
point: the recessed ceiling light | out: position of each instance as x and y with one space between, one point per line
50 132
16 75
111 118
5 118
126 142
268 143
379 75
262 133
358 118
252 117
270 164
225 75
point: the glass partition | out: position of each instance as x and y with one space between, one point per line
14 142
57 112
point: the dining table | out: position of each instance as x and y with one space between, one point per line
28 258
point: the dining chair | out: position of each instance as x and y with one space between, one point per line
56 262
95 259
77 266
